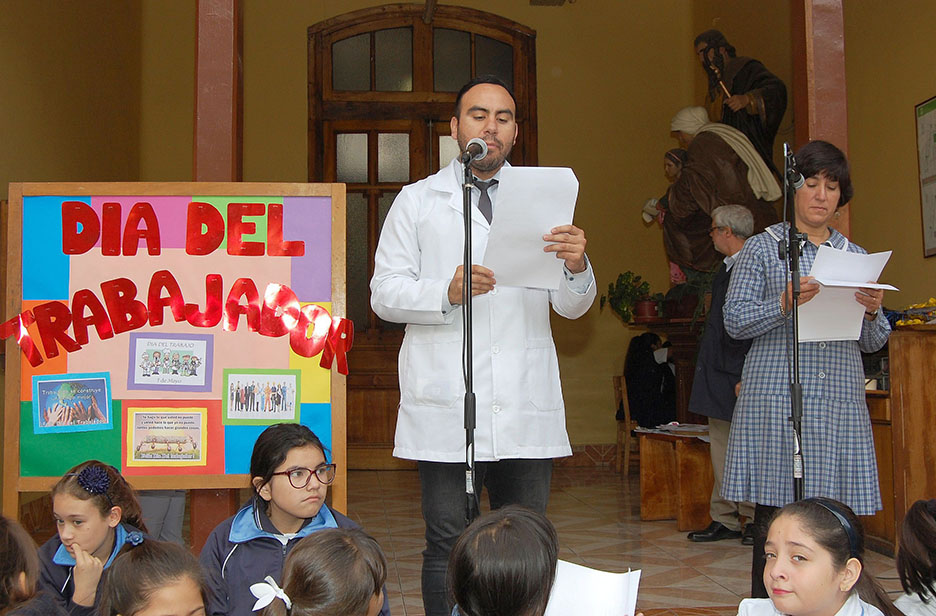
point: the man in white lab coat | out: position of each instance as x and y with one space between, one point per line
418 281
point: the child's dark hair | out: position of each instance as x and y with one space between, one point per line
504 563
836 528
917 548
105 487
274 444
332 572
18 552
136 574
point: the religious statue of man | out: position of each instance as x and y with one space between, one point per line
742 92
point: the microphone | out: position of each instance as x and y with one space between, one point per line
475 150
793 177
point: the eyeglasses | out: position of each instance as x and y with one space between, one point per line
300 477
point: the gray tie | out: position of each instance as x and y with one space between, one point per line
484 203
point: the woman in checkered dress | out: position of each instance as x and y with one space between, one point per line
838 449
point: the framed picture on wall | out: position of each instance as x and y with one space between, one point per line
926 149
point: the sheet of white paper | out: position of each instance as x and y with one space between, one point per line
581 590
530 202
833 314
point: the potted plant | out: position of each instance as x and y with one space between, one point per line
629 296
688 298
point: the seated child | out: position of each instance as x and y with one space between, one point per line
19 572
290 476
96 514
334 572
157 577
916 560
815 565
504 563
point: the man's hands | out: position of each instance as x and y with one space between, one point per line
482 281
569 245
567 241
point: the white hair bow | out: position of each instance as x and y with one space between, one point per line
266 591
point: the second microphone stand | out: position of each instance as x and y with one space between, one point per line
790 252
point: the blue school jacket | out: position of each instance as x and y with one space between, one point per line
56 568
239 552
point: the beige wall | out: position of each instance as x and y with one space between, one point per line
607 88
167 90
69 100
106 94
889 70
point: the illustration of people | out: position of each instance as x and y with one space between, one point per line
186 365
157 363
176 363
196 362
146 364
167 361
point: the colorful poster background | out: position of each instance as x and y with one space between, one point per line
49 274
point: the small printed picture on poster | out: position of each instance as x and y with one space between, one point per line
261 397
160 436
77 402
170 362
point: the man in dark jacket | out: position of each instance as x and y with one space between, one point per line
742 92
718 372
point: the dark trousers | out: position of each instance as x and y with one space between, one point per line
444 503
763 514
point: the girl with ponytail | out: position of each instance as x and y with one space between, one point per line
97 515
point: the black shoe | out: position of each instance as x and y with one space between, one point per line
716 531
747 535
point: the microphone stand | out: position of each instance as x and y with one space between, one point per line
468 366
790 253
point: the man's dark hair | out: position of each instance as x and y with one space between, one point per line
492 79
714 38
822 158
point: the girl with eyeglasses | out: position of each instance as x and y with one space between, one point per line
290 476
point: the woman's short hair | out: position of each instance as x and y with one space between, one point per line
504 563
736 217
822 158
136 574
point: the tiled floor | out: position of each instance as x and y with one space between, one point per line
597 514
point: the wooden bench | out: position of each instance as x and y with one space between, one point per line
675 479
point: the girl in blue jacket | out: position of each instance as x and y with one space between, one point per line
290 475
96 515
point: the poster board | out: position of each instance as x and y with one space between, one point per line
160 327
926 151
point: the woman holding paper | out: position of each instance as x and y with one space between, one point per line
838 450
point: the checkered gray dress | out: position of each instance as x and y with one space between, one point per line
838 449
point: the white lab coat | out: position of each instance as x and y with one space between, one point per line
520 411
